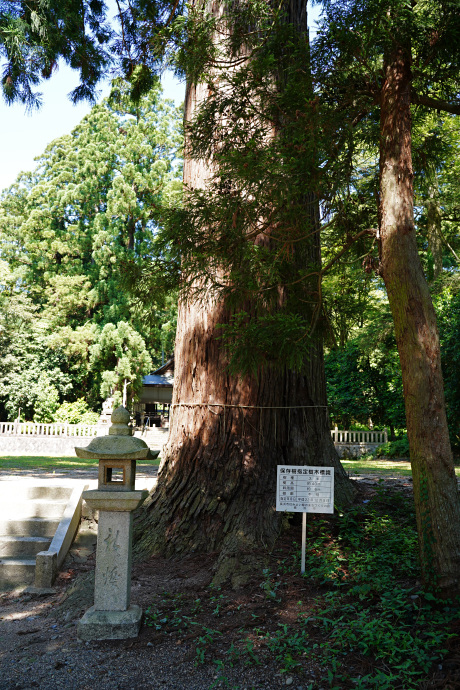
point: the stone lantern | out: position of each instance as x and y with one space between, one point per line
112 616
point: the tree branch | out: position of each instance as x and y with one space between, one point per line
325 269
436 103
443 238
171 14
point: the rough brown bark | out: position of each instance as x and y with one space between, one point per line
217 482
435 486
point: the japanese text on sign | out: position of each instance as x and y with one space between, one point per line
304 489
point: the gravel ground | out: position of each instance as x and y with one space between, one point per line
52 658
39 647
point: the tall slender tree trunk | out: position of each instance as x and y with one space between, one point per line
435 485
433 222
217 482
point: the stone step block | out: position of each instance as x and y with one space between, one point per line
21 547
16 571
30 527
27 492
18 509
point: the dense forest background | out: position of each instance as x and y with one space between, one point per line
362 365
73 232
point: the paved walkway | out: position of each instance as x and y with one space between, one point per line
145 476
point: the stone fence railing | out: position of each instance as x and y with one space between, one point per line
352 444
39 437
57 429
378 437
41 429
30 438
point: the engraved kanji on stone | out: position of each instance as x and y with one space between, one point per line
110 576
111 541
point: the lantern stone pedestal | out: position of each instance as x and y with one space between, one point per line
112 616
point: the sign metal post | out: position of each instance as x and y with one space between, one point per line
304 489
304 539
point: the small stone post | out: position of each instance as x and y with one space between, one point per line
112 616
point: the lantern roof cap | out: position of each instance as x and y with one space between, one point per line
120 444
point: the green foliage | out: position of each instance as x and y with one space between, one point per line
121 355
274 340
33 376
372 549
435 149
371 612
394 449
301 141
72 233
34 37
404 637
249 233
348 56
363 376
270 585
46 399
76 412
448 310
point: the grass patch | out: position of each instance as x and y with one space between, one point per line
27 462
381 467
378 466
39 462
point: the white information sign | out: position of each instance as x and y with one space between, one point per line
305 489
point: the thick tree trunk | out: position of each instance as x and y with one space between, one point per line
435 486
216 490
217 483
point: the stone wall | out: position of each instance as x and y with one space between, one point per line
20 444
355 450
40 445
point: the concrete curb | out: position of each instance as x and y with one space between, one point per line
48 562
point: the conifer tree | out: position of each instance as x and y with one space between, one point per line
72 229
390 55
216 487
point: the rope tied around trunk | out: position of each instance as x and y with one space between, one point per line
250 407
222 421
